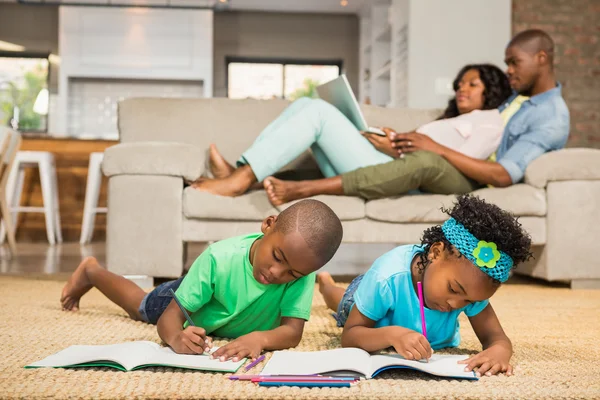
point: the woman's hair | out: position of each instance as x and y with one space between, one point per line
486 222
497 88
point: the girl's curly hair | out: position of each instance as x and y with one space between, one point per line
497 88
486 222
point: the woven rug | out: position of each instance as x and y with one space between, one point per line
555 331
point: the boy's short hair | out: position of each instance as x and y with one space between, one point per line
318 225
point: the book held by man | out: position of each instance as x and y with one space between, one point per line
353 361
132 356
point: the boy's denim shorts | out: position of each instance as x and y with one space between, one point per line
347 302
155 302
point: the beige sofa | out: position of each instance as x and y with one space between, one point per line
163 141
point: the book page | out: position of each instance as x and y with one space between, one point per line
167 357
439 364
126 354
317 362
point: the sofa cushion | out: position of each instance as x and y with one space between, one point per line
521 200
255 206
347 208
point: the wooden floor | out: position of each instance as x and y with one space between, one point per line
58 262
43 259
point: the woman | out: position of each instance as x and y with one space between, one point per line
339 148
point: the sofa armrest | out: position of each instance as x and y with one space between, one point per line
564 165
154 158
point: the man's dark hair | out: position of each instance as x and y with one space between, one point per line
486 222
534 41
318 225
497 88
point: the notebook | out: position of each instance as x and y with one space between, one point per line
132 356
353 361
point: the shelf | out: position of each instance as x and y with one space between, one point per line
385 35
383 72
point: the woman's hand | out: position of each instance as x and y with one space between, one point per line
381 143
414 141
490 361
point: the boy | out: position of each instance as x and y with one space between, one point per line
255 288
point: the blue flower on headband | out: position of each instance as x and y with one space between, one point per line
486 254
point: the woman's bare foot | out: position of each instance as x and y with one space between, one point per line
219 167
324 279
234 185
281 192
77 285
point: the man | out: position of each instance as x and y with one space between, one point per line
537 121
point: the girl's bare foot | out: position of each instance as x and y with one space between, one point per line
281 192
77 285
219 167
234 185
324 279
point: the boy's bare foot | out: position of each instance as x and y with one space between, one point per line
324 279
77 285
219 167
281 192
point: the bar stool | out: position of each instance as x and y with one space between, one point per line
92 193
44 161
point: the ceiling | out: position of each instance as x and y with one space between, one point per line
293 6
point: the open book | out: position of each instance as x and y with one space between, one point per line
350 361
131 356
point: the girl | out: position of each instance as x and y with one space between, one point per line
461 264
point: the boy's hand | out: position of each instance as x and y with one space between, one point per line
245 346
191 340
490 361
410 344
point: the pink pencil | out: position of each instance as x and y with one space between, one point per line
422 305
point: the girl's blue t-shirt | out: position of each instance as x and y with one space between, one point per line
386 295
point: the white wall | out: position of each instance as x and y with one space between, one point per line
129 43
446 35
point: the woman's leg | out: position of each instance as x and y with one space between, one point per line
310 123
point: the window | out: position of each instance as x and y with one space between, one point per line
268 79
24 91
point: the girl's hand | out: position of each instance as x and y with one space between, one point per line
410 344
490 361
245 346
414 141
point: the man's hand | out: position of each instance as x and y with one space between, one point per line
410 344
191 340
382 144
414 141
249 345
490 361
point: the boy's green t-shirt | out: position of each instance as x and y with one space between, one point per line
225 299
